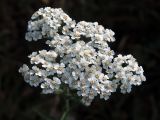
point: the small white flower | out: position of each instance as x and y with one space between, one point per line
78 56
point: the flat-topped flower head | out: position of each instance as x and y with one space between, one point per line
78 56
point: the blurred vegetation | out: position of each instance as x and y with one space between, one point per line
137 27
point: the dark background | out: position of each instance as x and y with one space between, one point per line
137 27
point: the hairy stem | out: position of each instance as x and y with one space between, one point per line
67 108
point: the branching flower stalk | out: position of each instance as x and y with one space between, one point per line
79 56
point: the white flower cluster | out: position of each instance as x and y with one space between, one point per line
79 57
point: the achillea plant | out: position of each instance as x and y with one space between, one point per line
79 57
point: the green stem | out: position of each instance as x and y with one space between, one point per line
67 108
